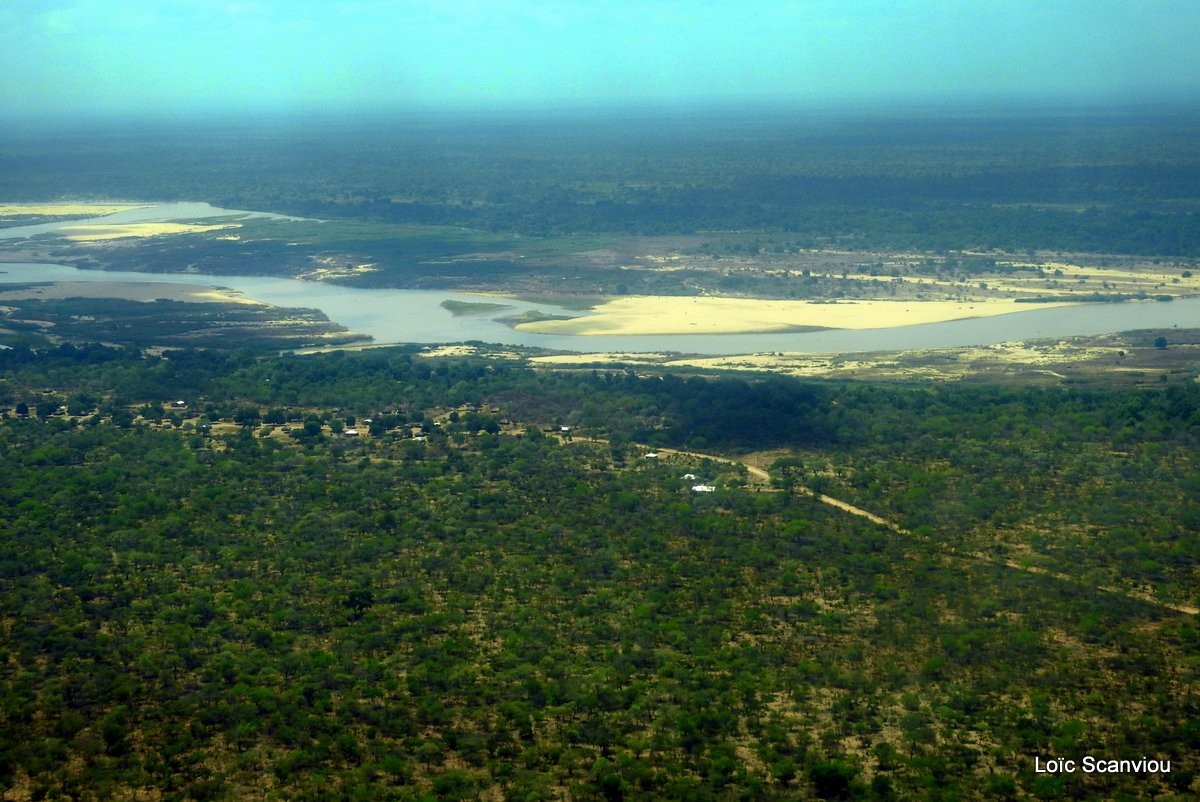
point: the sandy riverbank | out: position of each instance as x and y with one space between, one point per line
66 209
128 290
648 315
96 233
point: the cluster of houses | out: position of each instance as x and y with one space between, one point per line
687 477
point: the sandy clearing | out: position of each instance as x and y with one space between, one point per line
798 364
644 315
66 209
448 350
94 233
792 364
130 291
329 268
945 363
1040 278
620 358
1145 273
957 361
1083 278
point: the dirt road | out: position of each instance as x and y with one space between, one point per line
761 479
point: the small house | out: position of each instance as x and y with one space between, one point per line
703 489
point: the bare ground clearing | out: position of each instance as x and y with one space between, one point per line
1128 358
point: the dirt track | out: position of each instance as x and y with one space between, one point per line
761 479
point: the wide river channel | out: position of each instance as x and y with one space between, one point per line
416 316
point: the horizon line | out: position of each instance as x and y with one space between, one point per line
1005 103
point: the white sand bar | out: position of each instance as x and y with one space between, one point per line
66 209
639 315
93 233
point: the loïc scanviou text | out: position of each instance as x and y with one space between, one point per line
1097 765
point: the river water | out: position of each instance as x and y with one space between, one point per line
395 316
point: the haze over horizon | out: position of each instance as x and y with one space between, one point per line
80 58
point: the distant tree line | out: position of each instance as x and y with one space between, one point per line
1117 182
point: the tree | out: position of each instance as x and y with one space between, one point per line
832 779
246 416
1160 342
786 473
47 408
359 600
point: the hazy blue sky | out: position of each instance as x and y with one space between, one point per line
170 56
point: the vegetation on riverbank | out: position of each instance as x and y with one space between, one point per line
458 308
167 323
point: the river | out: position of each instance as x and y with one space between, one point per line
416 316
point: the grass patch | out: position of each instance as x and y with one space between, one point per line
579 303
463 308
530 316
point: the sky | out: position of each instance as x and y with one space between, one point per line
170 57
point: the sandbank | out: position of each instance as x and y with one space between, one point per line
93 233
66 209
129 291
649 315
